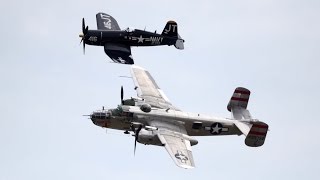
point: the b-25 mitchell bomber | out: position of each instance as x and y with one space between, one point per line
117 43
153 120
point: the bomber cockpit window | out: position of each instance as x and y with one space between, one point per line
117 111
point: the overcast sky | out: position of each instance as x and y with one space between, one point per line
271 47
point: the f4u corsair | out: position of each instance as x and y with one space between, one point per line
155 121
117 43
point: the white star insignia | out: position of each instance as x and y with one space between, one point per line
216 129
183 158
140 39
121 60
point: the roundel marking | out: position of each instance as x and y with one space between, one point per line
216 128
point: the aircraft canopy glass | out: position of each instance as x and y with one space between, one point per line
117 111
100 115
129 29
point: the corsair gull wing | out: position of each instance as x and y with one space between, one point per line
119 53
106 22
148 89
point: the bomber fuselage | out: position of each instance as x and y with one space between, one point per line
195 124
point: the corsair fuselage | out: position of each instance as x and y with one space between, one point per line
132 38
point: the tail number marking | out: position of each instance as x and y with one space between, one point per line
171 26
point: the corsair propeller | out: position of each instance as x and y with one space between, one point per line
83 35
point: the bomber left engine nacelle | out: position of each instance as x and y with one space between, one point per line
148 138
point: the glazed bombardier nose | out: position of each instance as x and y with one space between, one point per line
99 115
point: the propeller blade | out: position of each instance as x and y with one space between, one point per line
135 142
86 30
84 33
84 47
83 26
136 139
135 146
122 95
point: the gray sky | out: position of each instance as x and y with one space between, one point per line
47 84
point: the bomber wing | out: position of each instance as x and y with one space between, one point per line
173 137
106 22
148 89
